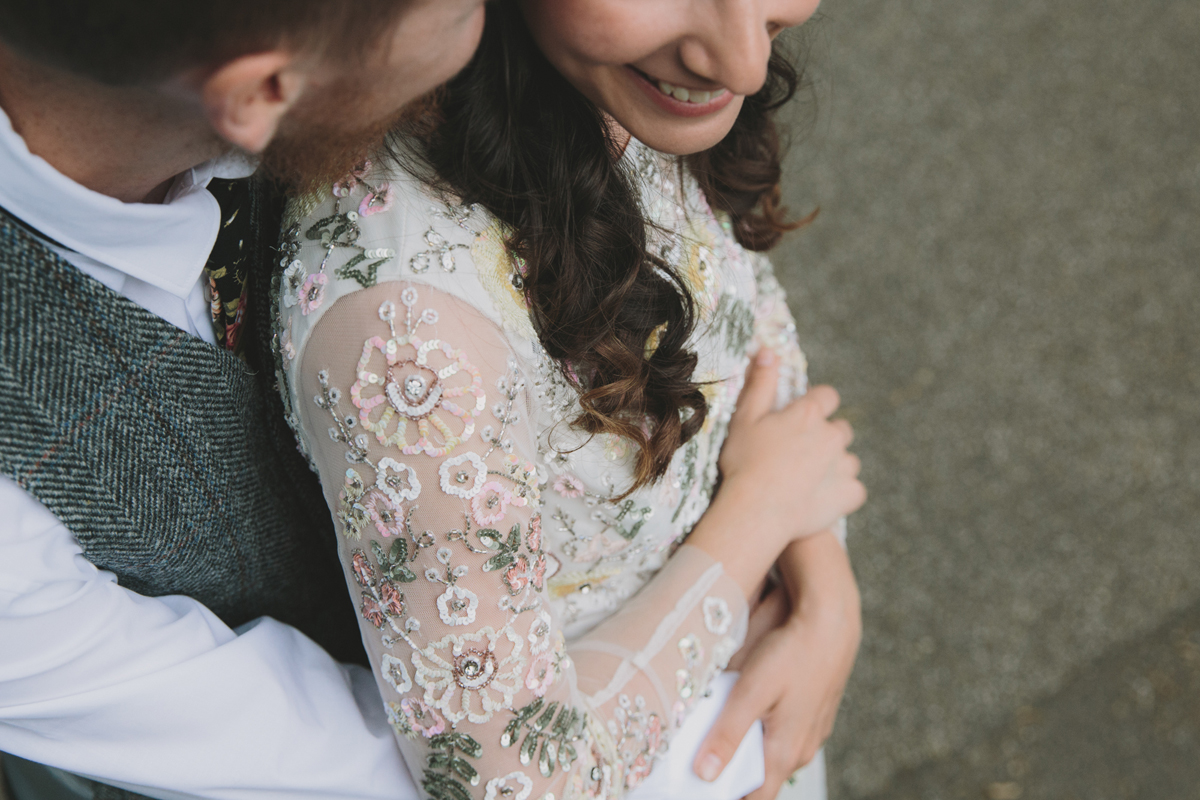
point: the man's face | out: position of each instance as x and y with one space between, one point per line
354 103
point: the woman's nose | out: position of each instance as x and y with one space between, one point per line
731 43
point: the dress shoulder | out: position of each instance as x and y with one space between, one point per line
381 225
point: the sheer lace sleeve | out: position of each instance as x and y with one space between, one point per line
420 424
775 328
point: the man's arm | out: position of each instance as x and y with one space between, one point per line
157 695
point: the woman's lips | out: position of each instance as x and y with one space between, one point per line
672 102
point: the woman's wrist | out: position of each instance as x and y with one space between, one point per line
817 577
740 532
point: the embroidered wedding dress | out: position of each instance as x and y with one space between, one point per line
532 636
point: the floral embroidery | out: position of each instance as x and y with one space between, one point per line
293 282
351 512
412 717
312 293
440 252
408 389
717 618
465 678
421 396
638 734
396 674
504 789
460 482
397 481
491 504
555 735
569 486
457 606
541 674
377 201
386 515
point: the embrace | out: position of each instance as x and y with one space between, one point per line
398 403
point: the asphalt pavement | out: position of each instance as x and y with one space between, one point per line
1002 282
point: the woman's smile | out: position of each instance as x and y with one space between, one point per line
679 100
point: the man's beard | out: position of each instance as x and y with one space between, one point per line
309 152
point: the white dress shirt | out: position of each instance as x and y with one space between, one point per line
158 695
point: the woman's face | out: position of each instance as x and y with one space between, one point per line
674 73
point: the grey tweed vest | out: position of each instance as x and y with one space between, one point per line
166 457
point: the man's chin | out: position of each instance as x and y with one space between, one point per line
307 155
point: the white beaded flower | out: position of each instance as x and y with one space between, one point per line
395 673
504 788
457 606
461 482
464 677
716 615
398 481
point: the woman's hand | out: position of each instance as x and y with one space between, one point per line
794 666
785 474
792 462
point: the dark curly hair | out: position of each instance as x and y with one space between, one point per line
513 135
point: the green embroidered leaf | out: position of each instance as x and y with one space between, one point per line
441 740
468 745
437 761
399 552
543 721
529 710
567 756
490 537
547 758
514 538
441 787
564 723
528 747
464 769
629 534
498 562
402 574
364 279
510 733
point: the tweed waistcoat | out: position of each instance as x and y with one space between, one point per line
167 458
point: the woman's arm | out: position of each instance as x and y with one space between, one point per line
419 424
808 629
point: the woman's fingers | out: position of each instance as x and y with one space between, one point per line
762 383
752 697
826 399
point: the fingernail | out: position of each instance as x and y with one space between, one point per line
710 767
766 357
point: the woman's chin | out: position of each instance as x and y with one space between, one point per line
679 136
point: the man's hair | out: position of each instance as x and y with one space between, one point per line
125 42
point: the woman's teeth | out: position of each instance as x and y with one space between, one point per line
689 95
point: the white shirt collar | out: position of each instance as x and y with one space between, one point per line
166 245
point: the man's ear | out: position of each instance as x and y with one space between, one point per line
246 98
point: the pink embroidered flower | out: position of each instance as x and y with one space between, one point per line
312 293
378 201
654 733
569 486
391 599
533 539
343 187
387 516
541 674
488 507
639 770
371 611
422 718
517 576
538 576
364 573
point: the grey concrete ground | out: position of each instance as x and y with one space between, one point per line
1003 283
